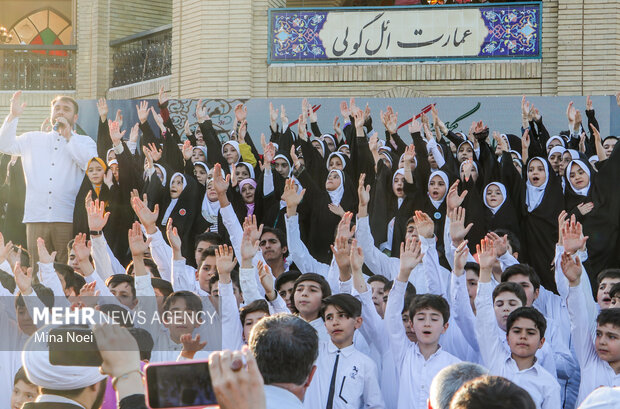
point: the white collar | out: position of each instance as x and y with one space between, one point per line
57 399
277 397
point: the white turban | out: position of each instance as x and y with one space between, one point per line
36 362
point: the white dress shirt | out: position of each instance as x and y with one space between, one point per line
280 398
54 170
356 385
416 373
594 371
537 381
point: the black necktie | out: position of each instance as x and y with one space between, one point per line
332 383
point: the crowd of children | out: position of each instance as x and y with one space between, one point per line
491 248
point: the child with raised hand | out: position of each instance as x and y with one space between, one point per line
419 362
345 377
525 330
231 326
596 343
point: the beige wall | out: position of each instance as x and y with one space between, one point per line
131 17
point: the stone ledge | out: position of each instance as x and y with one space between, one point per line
139 89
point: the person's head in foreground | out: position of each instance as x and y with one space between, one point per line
449 380
23 390
604 397
491 392
285 347
81 384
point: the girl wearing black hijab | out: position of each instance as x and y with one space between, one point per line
540 198
325 207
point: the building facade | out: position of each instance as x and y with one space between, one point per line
222 48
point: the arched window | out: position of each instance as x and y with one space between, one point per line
43 27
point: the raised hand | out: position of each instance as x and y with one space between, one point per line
174 239
294 157
82 248
119 118
342 251
424 224
102 108
312 115
336 209
46 126
5 249
415 126
225 261
453 199
115 133
266 280
570 113
458 231
525 140
410 256
134 133
147 217
273 116
589 104
191 345
44 256
344 229
290 195
337 130
220 184
187 150
201 112
345 112
356 257
571 269
301 127
88 295
17 107
460 258
283 118
23 279
155 152
363 192
486 258
250 241
159 120
163 97
573 239
392 122
499 243
358 116
143 111
137 244
97 216
241 112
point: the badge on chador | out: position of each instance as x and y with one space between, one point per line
182 212
437 215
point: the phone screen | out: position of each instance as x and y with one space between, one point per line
179 385
73 346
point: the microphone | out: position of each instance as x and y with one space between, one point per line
56 126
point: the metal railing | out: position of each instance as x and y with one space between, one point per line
37 67
142 56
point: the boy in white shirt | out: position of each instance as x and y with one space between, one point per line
597 344
525 330
345 377
417 363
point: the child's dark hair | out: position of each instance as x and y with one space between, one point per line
410 294
351 306
286 277
475 267
434 302
531 314
192 301
162 285
72 279
379 278
317 278
211 237
522 269
514 288
615 291
512 238
208 252
609 316
21 376
116 279
152 267
279 234
607 273
254 306
45 294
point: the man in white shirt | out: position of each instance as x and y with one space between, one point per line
285 348
54 165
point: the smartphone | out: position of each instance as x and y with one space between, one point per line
179 385
73 345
